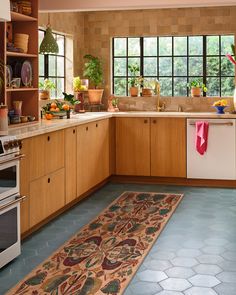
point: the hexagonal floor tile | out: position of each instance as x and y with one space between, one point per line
156 264
151 276
204 281
165 292
189 252
163 255
183 261
173 284
226 289
210 259
229 255
213 250
200 291
180 272
227 277
216 242
144 288
207 269
193 244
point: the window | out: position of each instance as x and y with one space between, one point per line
175 61
52 66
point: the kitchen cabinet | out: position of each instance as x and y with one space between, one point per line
133 146
47 195
92 154
219 160
168 147
70 164
24 185
46 153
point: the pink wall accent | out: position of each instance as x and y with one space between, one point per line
94 5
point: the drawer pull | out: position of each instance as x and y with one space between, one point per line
97 125
154 121
48 138
73 131
49 180
86 128
145 121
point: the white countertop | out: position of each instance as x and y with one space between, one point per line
45 126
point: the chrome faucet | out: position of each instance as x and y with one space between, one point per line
157 91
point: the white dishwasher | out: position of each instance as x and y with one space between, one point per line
219 161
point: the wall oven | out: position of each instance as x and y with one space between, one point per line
9 199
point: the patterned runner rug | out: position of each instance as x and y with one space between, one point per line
104 255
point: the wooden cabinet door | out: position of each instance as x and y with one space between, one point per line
37 157
168 147
101 151
133 146
38 196
85 157
55 198
25 185
54 151
70 164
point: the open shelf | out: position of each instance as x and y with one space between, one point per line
21 89
19 54
15 16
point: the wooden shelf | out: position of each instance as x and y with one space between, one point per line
19 54
15 16
21 89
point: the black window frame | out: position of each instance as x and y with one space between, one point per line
46 63
204 56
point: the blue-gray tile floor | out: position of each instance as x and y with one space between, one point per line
194 255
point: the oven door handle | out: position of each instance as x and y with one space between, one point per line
17 200
17 157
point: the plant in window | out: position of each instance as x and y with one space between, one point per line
93 71
196 86
45 88
135 79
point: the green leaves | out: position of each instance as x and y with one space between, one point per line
93 69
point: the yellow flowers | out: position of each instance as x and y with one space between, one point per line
221 103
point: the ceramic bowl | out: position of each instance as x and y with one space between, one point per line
23 119
31 118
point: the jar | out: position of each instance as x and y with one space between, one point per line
3 120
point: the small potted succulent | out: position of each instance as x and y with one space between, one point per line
134 81
93 71
196 87
45 89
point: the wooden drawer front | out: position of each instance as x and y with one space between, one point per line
37 157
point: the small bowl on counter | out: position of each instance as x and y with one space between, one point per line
31 118
24 119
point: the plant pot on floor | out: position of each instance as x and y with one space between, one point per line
195 91
133 91
95 96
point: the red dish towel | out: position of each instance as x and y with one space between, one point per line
201 136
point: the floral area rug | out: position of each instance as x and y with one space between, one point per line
104 255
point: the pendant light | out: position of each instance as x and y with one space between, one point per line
49 44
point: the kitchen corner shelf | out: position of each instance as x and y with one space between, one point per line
15 16
19 54
21 89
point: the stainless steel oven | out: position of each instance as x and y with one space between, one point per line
9 199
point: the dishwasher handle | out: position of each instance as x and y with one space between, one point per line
215 123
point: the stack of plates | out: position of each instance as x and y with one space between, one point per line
24 7
21 41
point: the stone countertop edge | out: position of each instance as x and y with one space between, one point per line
46 126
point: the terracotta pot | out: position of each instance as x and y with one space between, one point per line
146 92
133 91
195 91
95 96
44 94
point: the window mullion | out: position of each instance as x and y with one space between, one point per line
204 61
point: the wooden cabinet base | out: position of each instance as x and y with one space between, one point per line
173 181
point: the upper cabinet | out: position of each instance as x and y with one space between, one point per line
19 54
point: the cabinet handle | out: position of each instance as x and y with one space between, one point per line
154 121
73 131
49 180
86 128
145 121
48 138
96 125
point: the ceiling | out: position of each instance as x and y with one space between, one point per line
96 5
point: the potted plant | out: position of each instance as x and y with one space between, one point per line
134 80
45 88
93 71
74 101
196 86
